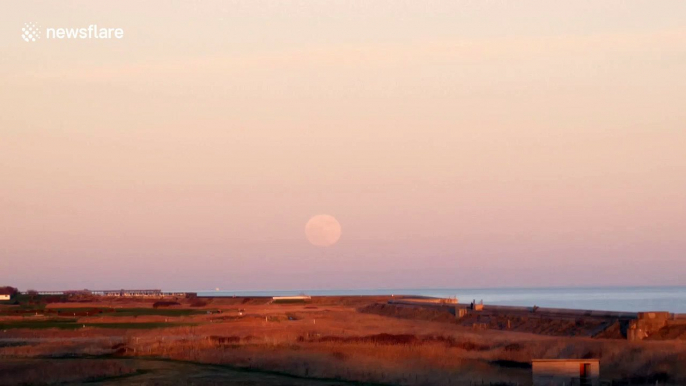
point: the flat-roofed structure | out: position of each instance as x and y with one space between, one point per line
118 293
178 294
290 298
50 292
129 293
568 372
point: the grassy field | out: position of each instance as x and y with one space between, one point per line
128 371
65 324
73 324
138 326
158 311
40 309
325 339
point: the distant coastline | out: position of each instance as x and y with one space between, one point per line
624 299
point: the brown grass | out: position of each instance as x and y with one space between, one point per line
46 371
337 341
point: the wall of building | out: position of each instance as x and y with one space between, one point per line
559 372
647 324
553 312
565 312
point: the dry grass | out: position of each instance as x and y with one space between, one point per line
326 340
42 372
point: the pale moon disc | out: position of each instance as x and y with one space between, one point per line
323 230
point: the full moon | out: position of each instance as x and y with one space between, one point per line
323 230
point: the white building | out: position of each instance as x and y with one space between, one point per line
4 297
567 372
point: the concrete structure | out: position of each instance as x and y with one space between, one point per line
179 294
83 292
633 325
563 312
427 300
567 372
118 293
50 292
288 298
129 293
647 324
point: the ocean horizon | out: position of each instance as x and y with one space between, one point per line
629 299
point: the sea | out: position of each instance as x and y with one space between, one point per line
630 299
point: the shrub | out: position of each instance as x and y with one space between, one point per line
222 340
387 339
165 304
513 347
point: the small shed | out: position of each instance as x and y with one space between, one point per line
6 293
566 372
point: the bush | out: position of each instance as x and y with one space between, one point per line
513 347
386 339
198 303
224 340
165 304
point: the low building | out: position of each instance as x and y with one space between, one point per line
129 293
178 294
290 298
428 300
6 293
566 372
56 293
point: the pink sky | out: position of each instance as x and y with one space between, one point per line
458 143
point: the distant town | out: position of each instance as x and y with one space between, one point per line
152 293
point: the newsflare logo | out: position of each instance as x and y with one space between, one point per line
31 32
